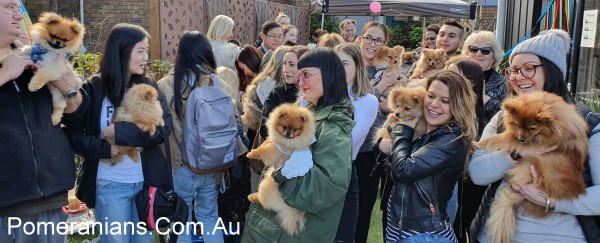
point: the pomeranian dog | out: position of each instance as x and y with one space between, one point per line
537 120
290 128
140 106
54 39
252 113
430 60
406 104
408 58
389 57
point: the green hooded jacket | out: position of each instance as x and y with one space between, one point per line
321 192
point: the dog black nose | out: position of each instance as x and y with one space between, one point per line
58 43
522 140
398 115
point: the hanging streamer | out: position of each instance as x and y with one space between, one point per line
538 22
25 25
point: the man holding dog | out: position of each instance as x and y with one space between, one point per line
36 159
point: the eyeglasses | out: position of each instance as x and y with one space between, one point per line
368 40
430 38
484 50
527 71
275 36
13 8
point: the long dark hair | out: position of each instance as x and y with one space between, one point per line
472 71
195 59
251 57
114 64
333 75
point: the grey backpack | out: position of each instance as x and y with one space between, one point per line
209 129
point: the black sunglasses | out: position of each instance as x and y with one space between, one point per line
484 50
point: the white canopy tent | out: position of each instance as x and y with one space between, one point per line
441 8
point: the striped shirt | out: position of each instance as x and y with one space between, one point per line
394 234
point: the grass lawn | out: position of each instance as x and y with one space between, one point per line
375 230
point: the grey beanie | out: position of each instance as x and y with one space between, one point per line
551 44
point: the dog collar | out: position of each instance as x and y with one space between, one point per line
281 150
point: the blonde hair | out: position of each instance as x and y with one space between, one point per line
280 16
488 38
361 85
274 66
230 81
219 26
462 105
331 40
455 59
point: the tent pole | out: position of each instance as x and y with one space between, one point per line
501 22
322 19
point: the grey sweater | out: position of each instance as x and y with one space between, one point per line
560 226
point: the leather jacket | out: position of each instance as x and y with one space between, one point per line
424 173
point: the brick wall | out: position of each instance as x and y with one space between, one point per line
99 15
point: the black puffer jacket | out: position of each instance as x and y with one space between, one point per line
83 130
424 173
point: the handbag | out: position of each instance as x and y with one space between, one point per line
154 203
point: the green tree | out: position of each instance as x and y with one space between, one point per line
330 24
398 36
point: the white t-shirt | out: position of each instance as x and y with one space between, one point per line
125 171
365 112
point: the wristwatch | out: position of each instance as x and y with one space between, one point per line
72 93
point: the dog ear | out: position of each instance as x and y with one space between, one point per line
419 94
77 28
149 95
49 18
510 106
544 117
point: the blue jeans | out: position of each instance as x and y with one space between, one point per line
423 238
115 202
202 190
452 207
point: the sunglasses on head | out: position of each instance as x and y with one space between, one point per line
484 50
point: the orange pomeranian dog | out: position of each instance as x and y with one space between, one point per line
54 39
140 106
430 60
537 120
389 57
290 128
406 104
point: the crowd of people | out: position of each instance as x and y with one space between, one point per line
436 187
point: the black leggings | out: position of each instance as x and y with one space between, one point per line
368 187
347 225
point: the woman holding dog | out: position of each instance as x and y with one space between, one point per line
539 64
111 189
373 36
426 170
320 192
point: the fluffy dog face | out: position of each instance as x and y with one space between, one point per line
409 57
407 103
529 123
290 123
55 32
435 59
388 56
